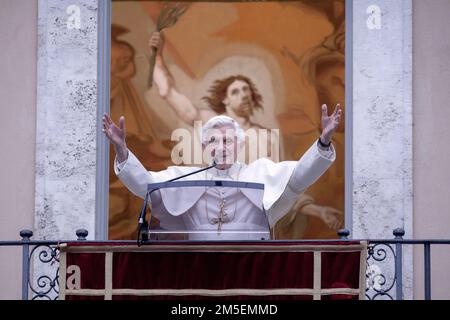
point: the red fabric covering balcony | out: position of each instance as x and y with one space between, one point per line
214 270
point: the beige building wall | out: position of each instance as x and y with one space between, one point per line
431 105
18 39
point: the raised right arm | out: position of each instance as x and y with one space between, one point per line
133 175
126 166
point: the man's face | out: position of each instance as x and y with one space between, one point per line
221 144
239 98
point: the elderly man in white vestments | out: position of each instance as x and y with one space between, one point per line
220 211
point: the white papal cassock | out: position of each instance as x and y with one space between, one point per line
200 208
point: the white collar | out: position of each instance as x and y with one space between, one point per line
230 172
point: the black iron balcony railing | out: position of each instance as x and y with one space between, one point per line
381 283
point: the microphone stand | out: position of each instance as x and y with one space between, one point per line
142 223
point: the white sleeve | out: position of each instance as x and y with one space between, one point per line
307 170
133 175
119 166
311 166
329 153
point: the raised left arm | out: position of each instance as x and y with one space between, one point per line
320 156
311 166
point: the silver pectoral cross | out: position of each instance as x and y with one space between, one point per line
222 217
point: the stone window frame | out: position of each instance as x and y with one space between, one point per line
103 82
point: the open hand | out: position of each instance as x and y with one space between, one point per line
331 217
116 135
330 123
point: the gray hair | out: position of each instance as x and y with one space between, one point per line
218 121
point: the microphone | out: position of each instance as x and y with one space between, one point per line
142 223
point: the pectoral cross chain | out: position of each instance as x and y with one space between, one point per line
222 217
